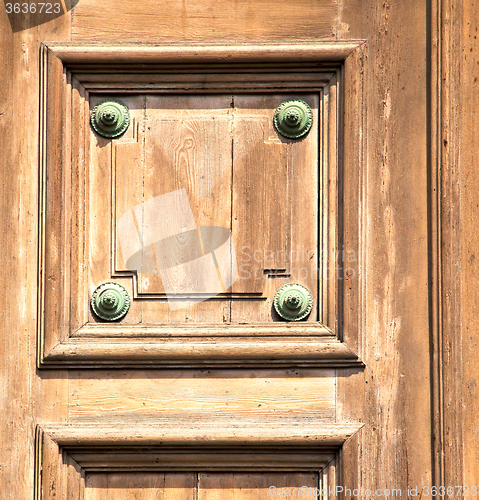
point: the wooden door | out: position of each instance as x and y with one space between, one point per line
199 211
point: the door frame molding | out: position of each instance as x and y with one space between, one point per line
68 74
64 454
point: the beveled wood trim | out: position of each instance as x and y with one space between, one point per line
269 432
276 330
453 235
82 54
438 30
201 352
200 460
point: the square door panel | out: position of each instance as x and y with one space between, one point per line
201 210
212 210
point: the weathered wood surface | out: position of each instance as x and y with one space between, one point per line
96 396
251 486
139 165
389 236
454 185
390 312
25 396
141 486
232 22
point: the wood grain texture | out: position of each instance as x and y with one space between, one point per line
275 205
187 146
389 141
140 486
250 486
454 184
410 105
118 396
231 21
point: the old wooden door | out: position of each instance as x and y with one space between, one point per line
198 211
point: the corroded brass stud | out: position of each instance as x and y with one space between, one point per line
110 118
293 118
293 302
110 301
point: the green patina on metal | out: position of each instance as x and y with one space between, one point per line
110 301
110 118
293 118
293 302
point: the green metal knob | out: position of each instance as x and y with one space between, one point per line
110 118
293 118
293 301
110 301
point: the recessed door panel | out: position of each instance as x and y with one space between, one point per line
209 203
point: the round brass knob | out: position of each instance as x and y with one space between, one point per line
110 118
293 301
110 301
293 118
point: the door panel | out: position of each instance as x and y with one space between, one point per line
203 486
141 486
220 399
239 175
202 278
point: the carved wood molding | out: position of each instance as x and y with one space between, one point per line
68 75
64 454
452 204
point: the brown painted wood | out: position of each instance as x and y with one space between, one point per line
378 389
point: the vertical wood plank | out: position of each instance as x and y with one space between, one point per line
396 440
188 146
455 214
51 475
275 205
55 226
19 197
